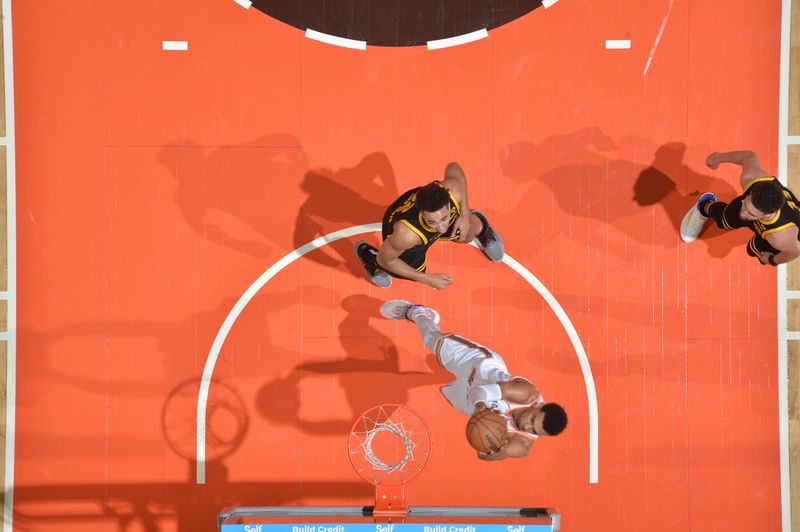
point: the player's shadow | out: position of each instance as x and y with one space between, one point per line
602 182
370 374
337 199
656 185
172 346
226 195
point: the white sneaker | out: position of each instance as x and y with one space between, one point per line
693 221
400 309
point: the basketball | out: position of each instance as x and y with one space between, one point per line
486 431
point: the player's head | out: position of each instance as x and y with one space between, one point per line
433 202
549 419
555 419
765 199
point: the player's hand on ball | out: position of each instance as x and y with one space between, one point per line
492 456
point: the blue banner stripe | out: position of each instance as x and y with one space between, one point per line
383 527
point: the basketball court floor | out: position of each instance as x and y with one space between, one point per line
165 200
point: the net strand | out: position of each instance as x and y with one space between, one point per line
412 437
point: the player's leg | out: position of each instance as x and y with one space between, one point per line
695 218
726 215
487 239
425 318
368 255
415 257
457 355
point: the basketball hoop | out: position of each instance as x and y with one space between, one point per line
389 446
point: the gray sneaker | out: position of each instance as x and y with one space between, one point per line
489 242
368 257
400 309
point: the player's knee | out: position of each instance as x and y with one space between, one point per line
475 226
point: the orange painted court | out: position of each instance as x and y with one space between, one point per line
158 192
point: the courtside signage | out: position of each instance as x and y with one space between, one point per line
387 527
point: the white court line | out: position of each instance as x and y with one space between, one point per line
252 290
548 3
244 3
180 46
11 259
586 369
3 141
783 334
458 40
793 294
792 139
658 39
618 44
336 41
3 295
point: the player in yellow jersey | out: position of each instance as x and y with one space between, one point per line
417 219
765 206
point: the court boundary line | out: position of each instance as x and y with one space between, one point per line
335 40
458 40
658 39
784 140
261 281
11 262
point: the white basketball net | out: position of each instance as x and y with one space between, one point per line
397 431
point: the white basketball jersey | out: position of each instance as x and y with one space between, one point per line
475 365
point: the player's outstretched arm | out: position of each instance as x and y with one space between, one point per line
748 160
456 182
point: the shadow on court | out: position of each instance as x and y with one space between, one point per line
642 201
337 199
656 184
155 506
226 194
369 375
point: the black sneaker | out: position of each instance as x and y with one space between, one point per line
489 242
367 255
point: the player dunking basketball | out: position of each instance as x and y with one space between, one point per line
483 381
417 219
